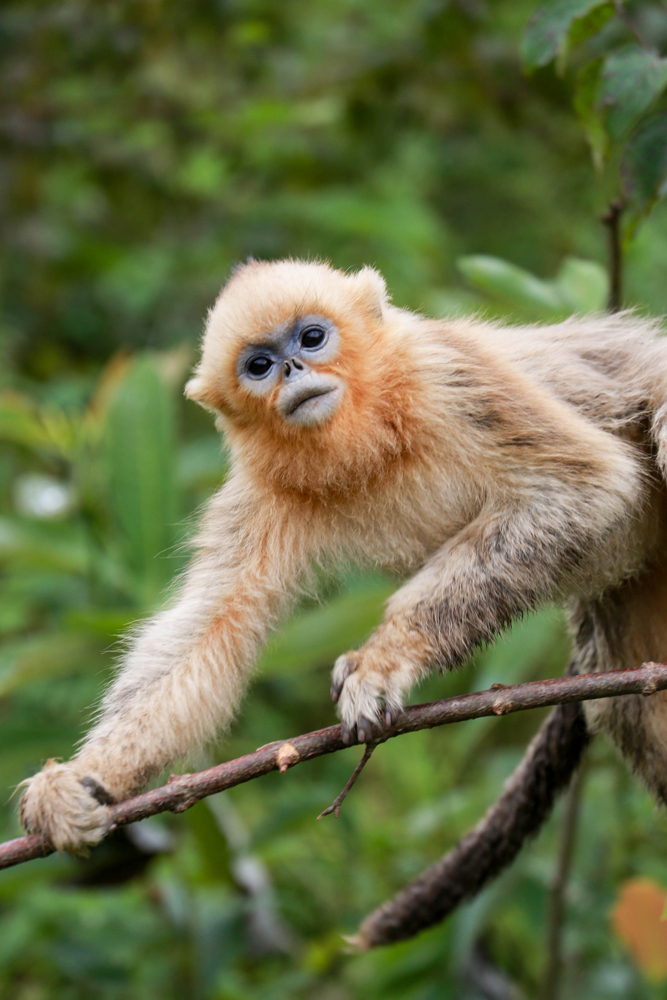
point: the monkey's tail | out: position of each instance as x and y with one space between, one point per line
492 845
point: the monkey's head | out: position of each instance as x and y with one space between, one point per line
294 354
279 342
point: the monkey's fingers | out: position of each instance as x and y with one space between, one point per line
392 714
365 730
64 809
343 667
362 731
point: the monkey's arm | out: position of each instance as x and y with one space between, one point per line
184 673
553 532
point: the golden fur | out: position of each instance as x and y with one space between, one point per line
500 466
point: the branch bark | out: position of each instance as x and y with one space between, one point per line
554 968
612 220
184 790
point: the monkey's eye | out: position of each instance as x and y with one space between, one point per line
259 366
313 337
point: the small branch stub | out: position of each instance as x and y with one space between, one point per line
287 756
502 705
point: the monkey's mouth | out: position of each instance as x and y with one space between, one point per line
312 402
307 396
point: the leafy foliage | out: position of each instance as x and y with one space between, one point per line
580 286
620 86
147 146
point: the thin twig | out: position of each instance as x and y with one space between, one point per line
554 968
338 801
184 790
612 220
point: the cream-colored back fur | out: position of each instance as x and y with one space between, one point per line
500 466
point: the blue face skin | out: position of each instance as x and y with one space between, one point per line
289 358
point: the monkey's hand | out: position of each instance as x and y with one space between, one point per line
369 685
66 808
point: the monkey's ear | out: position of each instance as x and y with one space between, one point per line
204 393
372 290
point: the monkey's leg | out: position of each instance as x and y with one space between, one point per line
493 844
624 628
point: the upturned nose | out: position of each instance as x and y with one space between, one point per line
292 367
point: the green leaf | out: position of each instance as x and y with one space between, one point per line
631 80
54 546
108 622
47 655
319 635
514 284
22 423
213 854
549 27
142 493
19 422
585 27
583 285
535 646
644 164
202 463
586 91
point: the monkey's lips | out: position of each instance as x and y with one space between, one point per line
307 398
311 402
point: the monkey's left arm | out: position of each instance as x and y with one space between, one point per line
526 547
185 672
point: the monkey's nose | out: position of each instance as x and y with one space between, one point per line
289 365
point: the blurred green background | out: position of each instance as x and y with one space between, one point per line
146 147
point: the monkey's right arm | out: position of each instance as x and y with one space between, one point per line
185 673
564 524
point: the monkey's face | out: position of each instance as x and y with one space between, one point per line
307 373
288 371
286 353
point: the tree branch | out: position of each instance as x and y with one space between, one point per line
612 220
554 968
184 790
